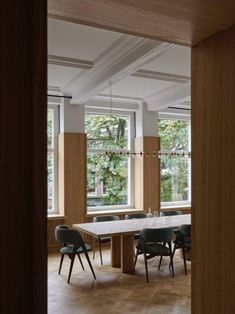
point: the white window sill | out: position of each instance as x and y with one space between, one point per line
55 216
112 211
176 206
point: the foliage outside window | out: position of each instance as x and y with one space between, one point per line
175 171
108 167
51 158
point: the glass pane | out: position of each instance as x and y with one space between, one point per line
50 128
174 179
107 178
174 134
175 171
50 180
107 131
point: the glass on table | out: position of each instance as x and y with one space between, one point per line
156 213
149 214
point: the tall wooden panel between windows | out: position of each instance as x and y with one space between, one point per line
147 173
213 174
73 177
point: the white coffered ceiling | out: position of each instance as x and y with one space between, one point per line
83 60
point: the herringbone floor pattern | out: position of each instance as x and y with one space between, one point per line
114 292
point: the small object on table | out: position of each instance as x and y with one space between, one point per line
149 215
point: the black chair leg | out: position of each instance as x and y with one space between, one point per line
61 262
171 260
101 259
94 247
136 256
160 262
89 262
71 266
173 254
146 267
80 260
184 258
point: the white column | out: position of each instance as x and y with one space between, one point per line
146 122
72 117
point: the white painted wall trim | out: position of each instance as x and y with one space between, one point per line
69 62
169 96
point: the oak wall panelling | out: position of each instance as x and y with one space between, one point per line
147 173
72 177
213 173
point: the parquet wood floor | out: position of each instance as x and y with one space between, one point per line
114 292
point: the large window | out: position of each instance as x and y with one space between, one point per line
52 130
108 163
175 170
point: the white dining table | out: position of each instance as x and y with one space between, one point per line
122 231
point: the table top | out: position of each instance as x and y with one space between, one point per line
131 226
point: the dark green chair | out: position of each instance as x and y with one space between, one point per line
155 242
73 245
171 212
136 216
102 240
183 241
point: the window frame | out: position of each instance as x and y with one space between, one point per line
54 151
179 204
131 127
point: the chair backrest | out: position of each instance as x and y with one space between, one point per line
67 235
171 212
156 235
135 216
184 231
105 218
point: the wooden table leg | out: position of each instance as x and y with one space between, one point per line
127 253
116 251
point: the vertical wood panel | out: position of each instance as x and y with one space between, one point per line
72 162
147 173
139 175
213 173
23 161
151 173
61 174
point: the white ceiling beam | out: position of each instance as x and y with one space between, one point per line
175 114
117 98
85 64
121 59
169 96
69 62
118 103
160 76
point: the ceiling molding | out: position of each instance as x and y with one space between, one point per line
174 114
117 98
169 96
99 102
125 56
69 62
160 76
53 88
